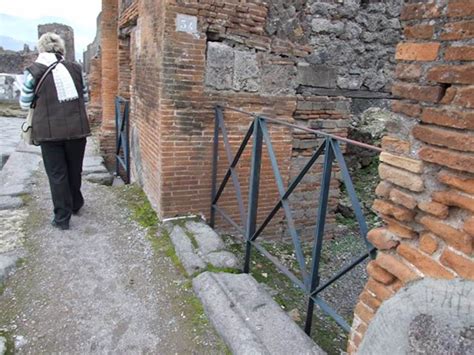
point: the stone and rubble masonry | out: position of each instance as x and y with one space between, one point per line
260 56
426 196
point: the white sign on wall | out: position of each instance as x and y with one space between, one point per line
186 23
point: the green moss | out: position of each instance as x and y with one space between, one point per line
161 242
10 344
212 268
138 203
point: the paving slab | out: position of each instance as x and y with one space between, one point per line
100 178
28 148
207 239
16 175
192 263
7 263
9 202
223 259
247 318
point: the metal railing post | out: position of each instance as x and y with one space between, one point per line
127 139
215 156
117 135
254 185
319 234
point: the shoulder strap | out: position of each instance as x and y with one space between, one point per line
41 81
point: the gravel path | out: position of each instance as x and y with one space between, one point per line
99 287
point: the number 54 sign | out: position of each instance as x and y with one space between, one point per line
186 23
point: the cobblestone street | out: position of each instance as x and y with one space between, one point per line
9 136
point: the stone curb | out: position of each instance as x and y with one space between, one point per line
247 318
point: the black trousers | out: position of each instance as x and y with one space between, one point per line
63 164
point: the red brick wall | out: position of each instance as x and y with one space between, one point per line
172 110
426 197
108 49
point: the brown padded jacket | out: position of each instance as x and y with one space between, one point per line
54 120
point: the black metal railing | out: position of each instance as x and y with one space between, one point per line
122 143
258 131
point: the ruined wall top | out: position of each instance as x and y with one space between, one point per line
66 33
93 49
12 62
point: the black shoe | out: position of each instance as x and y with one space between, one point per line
76 211
63 226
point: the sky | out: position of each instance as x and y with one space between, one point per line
79 14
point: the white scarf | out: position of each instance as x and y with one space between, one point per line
63 82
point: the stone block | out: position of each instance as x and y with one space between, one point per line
321 25
183 246
350 82
207 239
246 72
279 79
247 318
16 175
7 264
9 202
316 75
219 66
222 259
100 178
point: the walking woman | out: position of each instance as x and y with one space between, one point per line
60 124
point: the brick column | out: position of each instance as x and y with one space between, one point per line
109 87
426 196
